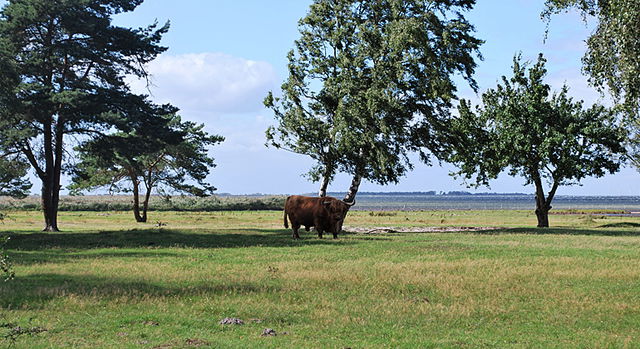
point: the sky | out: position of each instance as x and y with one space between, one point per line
225 55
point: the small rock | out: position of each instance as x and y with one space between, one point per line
151 323
231 321
257 321
268 332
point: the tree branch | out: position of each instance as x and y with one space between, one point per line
26 149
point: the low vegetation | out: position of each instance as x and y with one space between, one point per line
109 282
157 203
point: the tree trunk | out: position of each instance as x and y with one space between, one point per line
543 217
543 205
51 176
353 189
136 202
326 178
49 207
145 204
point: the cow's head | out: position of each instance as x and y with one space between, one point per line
337 212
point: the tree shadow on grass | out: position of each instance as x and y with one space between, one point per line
566 231
162 238
34 291
621 225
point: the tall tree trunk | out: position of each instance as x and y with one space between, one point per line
50 186
350 198
136 201
57 171
49 206
145 204
353 189
326 178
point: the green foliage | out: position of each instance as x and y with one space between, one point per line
12 181
167 156
538 136
369 82
66 66
612 60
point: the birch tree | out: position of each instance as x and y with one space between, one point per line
369 83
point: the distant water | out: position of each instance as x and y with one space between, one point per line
372 201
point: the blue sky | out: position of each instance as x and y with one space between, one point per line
225 55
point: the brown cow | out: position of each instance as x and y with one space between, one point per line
324 213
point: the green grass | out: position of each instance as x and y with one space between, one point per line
108 282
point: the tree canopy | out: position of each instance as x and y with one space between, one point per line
524 128
612 60
168 156
369 82
66 65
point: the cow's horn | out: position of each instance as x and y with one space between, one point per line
350 203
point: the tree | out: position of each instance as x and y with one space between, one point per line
540 136
171 155
369 82
612 61
69 64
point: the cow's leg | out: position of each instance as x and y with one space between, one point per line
335 235
295 228
319 232
307 228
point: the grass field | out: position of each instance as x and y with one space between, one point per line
107 282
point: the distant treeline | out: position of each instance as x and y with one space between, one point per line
157 203
422 193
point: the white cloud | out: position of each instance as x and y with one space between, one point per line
209 82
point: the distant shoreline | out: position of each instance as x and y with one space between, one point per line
365 201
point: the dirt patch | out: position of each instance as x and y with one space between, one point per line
390 230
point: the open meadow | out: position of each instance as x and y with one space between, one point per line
108 282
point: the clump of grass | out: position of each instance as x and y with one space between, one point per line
383 214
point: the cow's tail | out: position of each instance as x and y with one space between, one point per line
286 222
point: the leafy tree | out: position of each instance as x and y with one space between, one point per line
612 60
540 136
68 62
171 156
369 82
